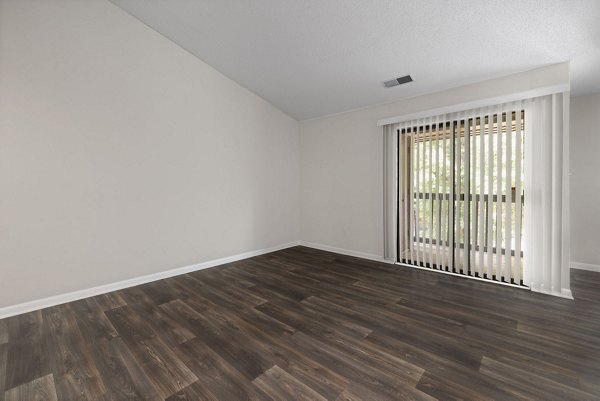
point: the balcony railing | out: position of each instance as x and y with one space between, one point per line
475 200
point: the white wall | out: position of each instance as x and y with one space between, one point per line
341 158
585 182
123 155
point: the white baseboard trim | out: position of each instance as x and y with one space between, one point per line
357 254
30 306
563 293
585 266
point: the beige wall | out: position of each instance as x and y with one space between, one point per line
123 155
341 158
585 181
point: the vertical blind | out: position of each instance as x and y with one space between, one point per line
461 193
482 193
547 241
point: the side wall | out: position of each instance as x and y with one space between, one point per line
585 182
122 155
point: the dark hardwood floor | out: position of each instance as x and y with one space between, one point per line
309 325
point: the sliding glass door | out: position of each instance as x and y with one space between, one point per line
461 194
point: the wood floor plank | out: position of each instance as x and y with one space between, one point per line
3 331
302 323
3 351
283 286
444 388
265 322
161 324
280 385
160 292
411 331
557 373
194 392
216 374
283 352
358 392
232 344
109 301
227 298
189 287
121 373
589 384
92 321
303 318
24 356
165 370
568 355
538 386
347 395
229 274
71 363
41 389
180 308
442 366
378 381
583 338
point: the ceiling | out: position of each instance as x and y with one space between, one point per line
315 57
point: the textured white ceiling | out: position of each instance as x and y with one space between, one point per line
316 57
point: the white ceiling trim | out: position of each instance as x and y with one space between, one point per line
476 104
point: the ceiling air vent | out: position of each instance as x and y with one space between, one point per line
398 81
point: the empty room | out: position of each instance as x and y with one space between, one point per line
309 200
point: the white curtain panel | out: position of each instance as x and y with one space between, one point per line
479 237
547 244
390 192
